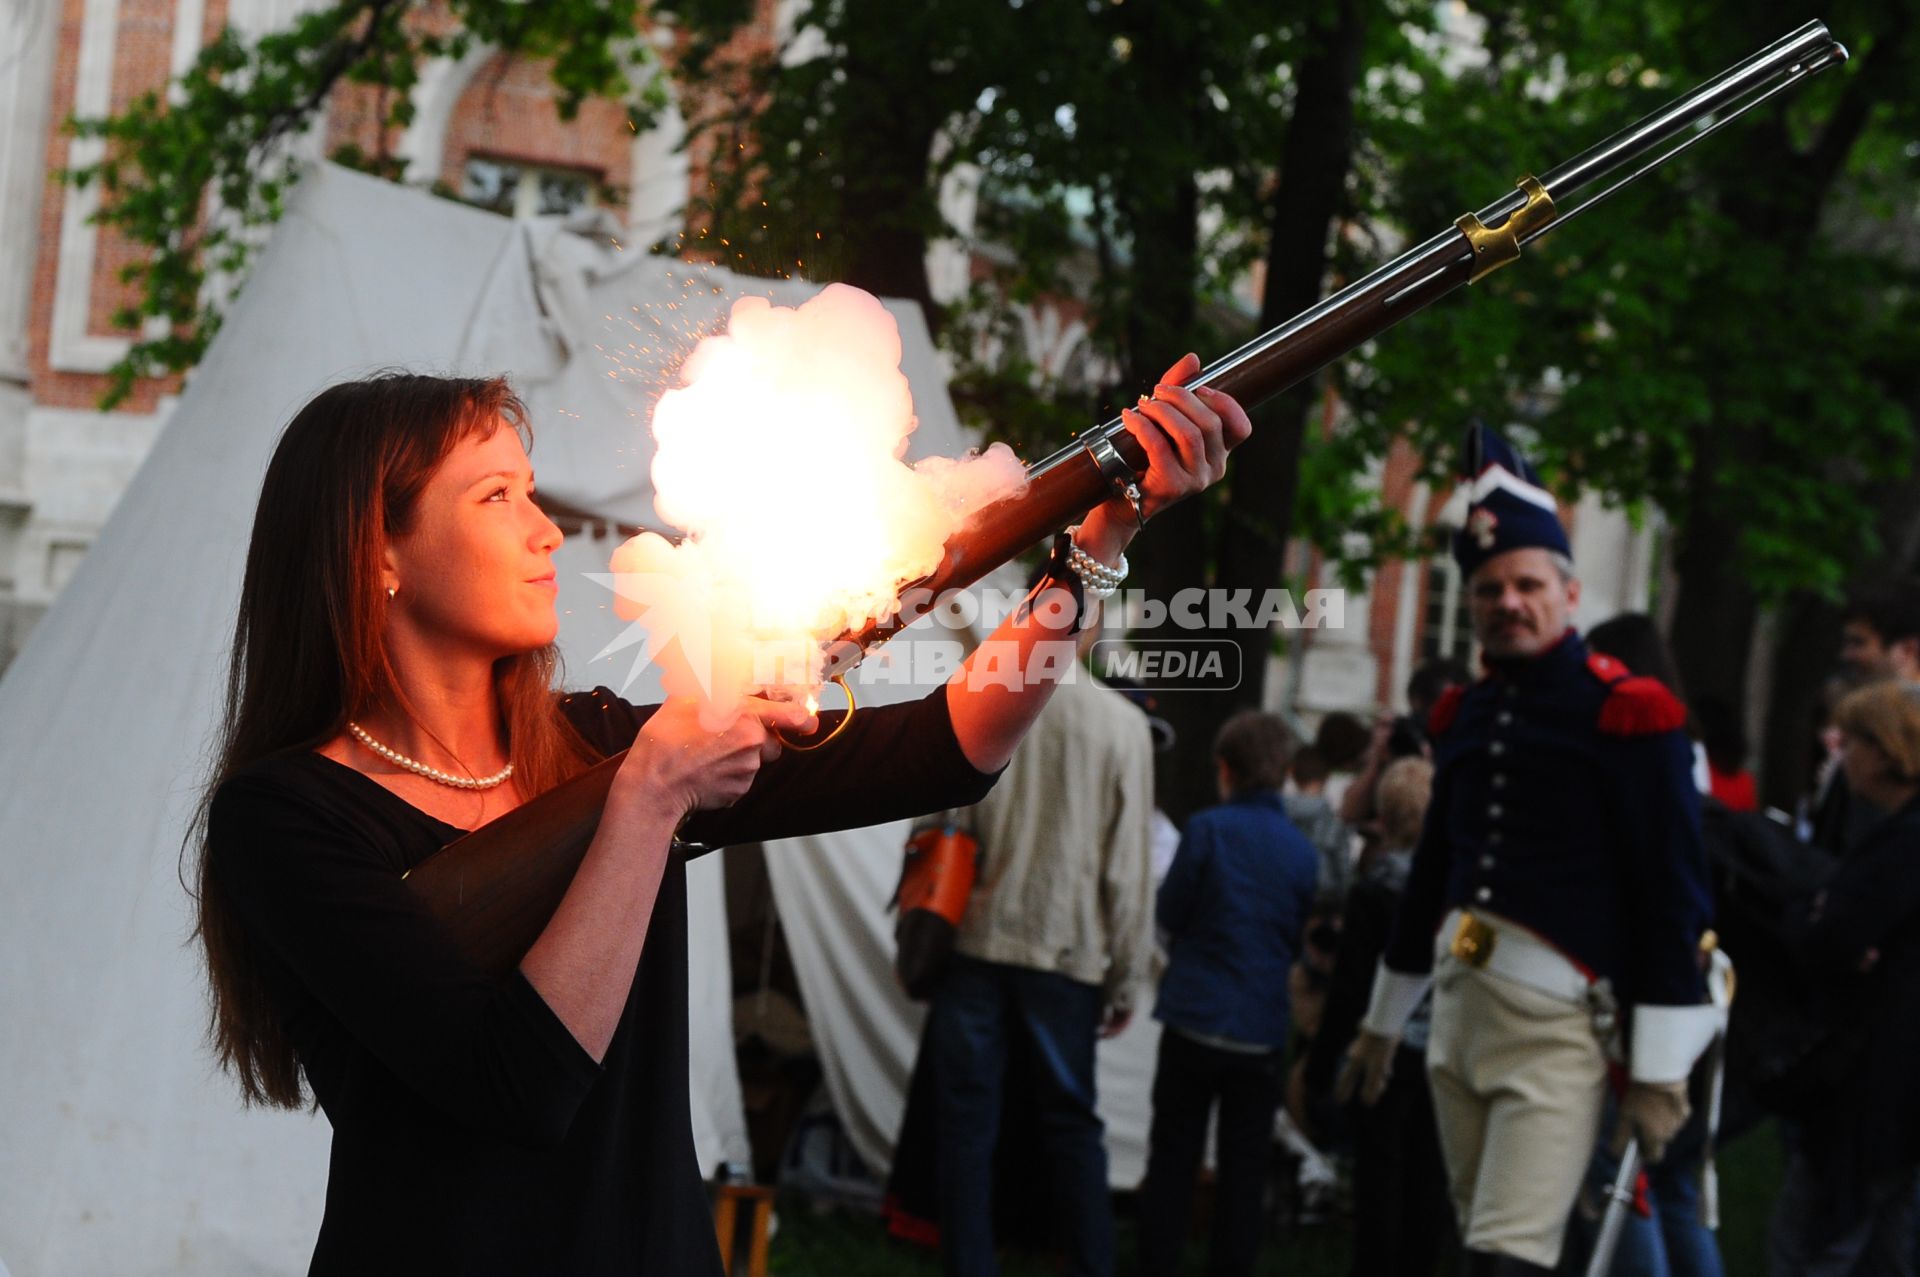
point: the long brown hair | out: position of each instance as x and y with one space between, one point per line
309 648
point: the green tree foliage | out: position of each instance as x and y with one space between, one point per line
1705 343
1727 341
1086 122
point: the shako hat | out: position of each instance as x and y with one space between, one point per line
1507 509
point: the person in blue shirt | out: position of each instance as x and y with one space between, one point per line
1233 906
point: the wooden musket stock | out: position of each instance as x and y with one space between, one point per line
497 887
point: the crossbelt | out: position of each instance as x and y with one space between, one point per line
1490 943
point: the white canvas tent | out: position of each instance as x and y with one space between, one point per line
121 1150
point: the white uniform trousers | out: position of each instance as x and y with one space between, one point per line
1519 1078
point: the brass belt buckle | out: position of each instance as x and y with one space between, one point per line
1473 941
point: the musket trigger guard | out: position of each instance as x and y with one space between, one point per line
1494 247
1119 475
838 727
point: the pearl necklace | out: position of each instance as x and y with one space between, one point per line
399 759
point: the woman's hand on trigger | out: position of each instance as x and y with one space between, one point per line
681 763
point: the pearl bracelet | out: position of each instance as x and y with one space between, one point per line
1099 580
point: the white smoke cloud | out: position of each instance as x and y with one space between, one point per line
781 459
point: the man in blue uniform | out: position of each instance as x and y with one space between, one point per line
1557 900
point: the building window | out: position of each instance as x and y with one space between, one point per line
525 190
1446 629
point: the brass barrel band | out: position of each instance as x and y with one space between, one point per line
1496 246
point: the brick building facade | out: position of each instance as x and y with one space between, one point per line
484 129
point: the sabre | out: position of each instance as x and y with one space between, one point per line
1619 1202
497 887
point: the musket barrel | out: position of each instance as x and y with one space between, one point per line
1429 270
1809 47
1806 51
1067 482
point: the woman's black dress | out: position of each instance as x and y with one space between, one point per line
471 1133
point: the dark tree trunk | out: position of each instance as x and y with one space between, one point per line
1250 542
1809 640
1712 632
1803 650
891 261
887 202
1713 619
1716 609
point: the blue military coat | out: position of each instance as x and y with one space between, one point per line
1563 800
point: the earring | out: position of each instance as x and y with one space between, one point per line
390 593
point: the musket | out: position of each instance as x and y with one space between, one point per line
497 886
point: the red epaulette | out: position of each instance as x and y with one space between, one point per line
1606 668
1441 716
1635 705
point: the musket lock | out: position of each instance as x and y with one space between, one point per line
1494 247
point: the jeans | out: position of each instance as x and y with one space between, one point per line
1674 1242
1190 1078
975 1013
